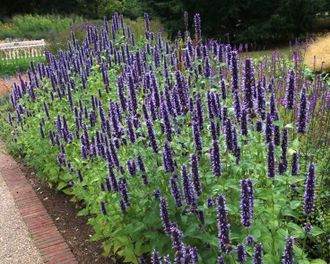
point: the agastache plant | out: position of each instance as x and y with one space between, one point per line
309 195
246 202
135 126
223 225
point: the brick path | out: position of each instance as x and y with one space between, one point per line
47 239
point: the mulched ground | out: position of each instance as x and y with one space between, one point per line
73 228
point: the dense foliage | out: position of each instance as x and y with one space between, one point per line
188 151
250 20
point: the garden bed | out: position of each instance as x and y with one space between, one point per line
75 230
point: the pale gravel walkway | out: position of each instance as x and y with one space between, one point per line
16 245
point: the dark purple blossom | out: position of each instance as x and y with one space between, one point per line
198 30
164 215
174 186
258 254
234 70
187 188
195 174
309 195
168 158
249 240
152 136
197 135
277 136
241 253
295 164
244 123
155 258
269 129
248 83
273 108
288 256
290 90
103 208
210 202
303 112
220 260
308 227
215 158
223 225
246 202
131 166
270 160
176 237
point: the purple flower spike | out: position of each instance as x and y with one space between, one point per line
187 188
308 227
269 129
233 70
303 111
273 108
197 135
246 202
248 83
244 123
241 253
210 202
288 257
220 260
270 160
215 158
164 215
237 106
290 90
155 258
168 158
223 225
277 136
167 259
195 174
309 195
175 191
249 240
197 23
258 254
103 208
176 237
130 129
295 164
152 136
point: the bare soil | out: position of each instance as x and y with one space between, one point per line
73 228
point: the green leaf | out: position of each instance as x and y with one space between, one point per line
61 185
83 212
318 261
295 204
316 231
290 126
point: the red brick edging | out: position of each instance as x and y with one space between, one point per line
46 237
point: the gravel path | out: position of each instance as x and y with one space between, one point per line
16 245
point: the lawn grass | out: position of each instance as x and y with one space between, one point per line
12 67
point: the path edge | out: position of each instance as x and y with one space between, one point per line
45 235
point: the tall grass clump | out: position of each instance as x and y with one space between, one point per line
181 152
317 56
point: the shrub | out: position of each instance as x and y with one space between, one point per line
317 56
35 26
182 150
